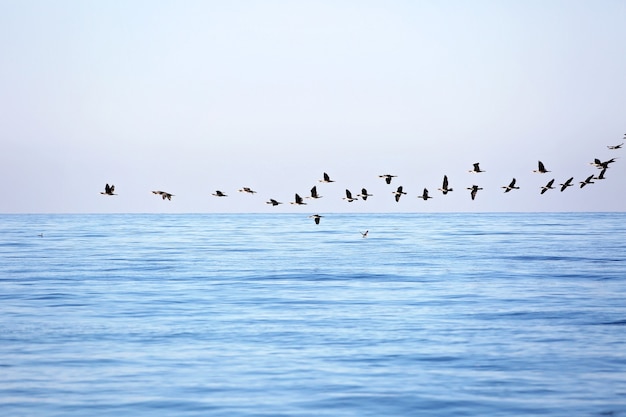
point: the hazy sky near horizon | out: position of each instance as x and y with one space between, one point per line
194 96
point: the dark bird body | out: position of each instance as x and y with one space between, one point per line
387 177
444 187
474 190
163 194
566 184
548 186
108 190
510 187
398 193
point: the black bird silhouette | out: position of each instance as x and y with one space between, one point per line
108 190
541 169
298 201
601 175
316 218
349 197
364 234
424 195
548 186
566 184
444 188
398 193
247 190
474 190
163 194
476 168
364 194
602 165
326 178
587 181
510 187
218 193
615 146
314 193
273 202
387 177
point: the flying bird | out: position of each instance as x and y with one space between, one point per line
566 184
108 190
601 176
314 193
424 195
541 169
218 193
273 202
476 168
587 181
163 194
298 201
349 197
510 187
387 177
247 190
316 218
326 178
474 190
364 234
364 194
444 188
398 193
548 186
601 165
615 146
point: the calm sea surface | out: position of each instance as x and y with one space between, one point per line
272 315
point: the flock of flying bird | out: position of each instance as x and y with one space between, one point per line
399 192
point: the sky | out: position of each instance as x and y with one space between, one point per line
190 97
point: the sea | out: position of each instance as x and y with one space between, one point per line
442 314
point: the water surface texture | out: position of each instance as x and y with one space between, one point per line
273 315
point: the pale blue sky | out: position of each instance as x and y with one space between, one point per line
194 96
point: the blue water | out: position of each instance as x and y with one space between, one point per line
272 315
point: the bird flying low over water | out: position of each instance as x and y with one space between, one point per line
476 168
163 194
510 187
218 193
398 193
349 197
387 177
273 202
364 234
326 178
474 190
247 190
314 193
541 169
316 218
587 181
424 195
444 188
548 186
108 189
298 201
364 194
566 184
615 146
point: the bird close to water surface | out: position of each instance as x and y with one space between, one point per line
108 190
510 187
364 234
444 187
163 194
316 218
548 186
387 177
566 184
474 190
398 193
541 169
